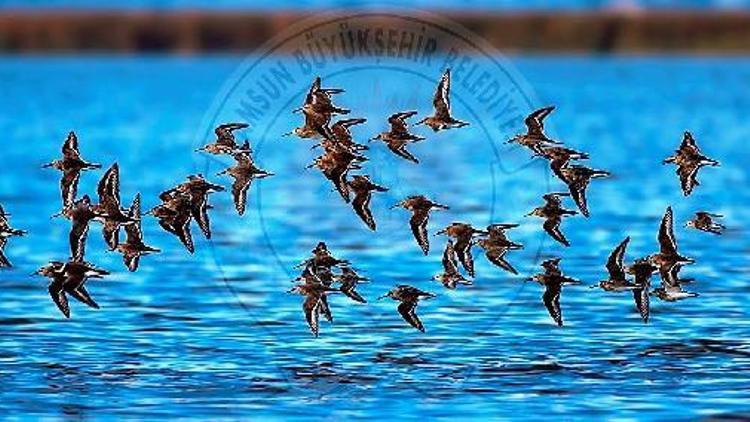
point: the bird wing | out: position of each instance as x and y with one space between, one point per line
4 263
199 210
133 231
69 186
111 232
239 192
642 302
552 227
463 251
535 121
325 308
312 312
82 295
688 174
450 262
77 238
551 299
496 256
348 289
407 309
441 100
418 224
615 265
57 294
131 261
667 242
401 151
578 193
361 205
181 228
70 147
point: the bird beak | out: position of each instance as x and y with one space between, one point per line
383 297
48 165
287 134
59 214
297 110
393 207
593 286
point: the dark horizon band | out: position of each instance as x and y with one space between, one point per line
194 32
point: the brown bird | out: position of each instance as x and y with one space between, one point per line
69 279
496 245
363 188
80 213
559 157
704 221
617 281
420 208
668 259
442 118
134 248
174 216
553 213
335 165
6 231
349 280
108 211
343 135
399 136
71 166
553 279
689 159
409 297
451 277
313 293
319 99
243 173
672 292
197 190
322 258
464 234
642 269
577 178
225 142
535 138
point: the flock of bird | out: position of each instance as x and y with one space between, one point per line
323 274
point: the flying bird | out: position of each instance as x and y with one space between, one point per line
409 297
464 234
197 189
496 245
420 207
553 279
108 211
398 137
243 172
553 213
689 159
577 178
6 231
69 279
535 138
174 215
617 280
349 280
134 248
442 118
704 221
71 165
363 188
559 157
451 277
313 293
668 260
642 269
225 142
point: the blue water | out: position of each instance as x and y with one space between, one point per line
338 4
214 335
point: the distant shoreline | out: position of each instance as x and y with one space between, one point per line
187 32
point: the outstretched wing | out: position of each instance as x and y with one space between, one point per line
497 257
450 262
70 147
642 302
361 205
408 311
463 251
552 227
667 242
418 224
311 308
69 187
82 295
57 294
442 100
535 122
615 265
401 151
239 192
551 300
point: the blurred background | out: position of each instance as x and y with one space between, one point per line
214 335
